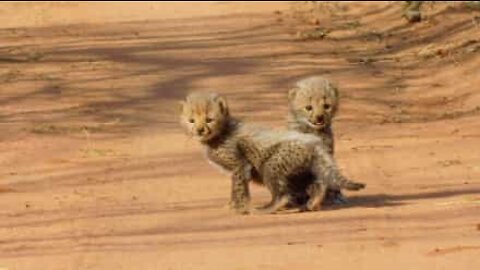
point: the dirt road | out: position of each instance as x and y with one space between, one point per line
95 172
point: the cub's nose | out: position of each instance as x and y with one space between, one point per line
320 119
201 130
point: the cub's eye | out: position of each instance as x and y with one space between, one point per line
191 120
308 108
208 120
326 106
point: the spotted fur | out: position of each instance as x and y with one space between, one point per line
270 157
313 103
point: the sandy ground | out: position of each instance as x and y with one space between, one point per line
95 172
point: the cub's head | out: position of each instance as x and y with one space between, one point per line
204 115
313 102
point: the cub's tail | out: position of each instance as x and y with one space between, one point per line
328 172
341 182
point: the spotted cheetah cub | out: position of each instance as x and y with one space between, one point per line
313 103
272 158
281 158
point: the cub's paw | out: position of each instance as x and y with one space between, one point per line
262 211
339 200
314 204
241 210
334 197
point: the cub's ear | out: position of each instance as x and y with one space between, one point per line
292 93
222 103
334 93
334 90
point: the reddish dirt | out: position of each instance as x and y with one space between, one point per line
95 172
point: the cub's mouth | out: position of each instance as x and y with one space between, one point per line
203 135
318 122
317 125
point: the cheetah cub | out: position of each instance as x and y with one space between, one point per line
313 103
272 158
281 158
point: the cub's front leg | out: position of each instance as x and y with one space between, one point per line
240 196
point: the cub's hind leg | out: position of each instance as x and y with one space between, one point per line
276 183
288 159
317 192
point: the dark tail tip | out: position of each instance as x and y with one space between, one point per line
355 186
